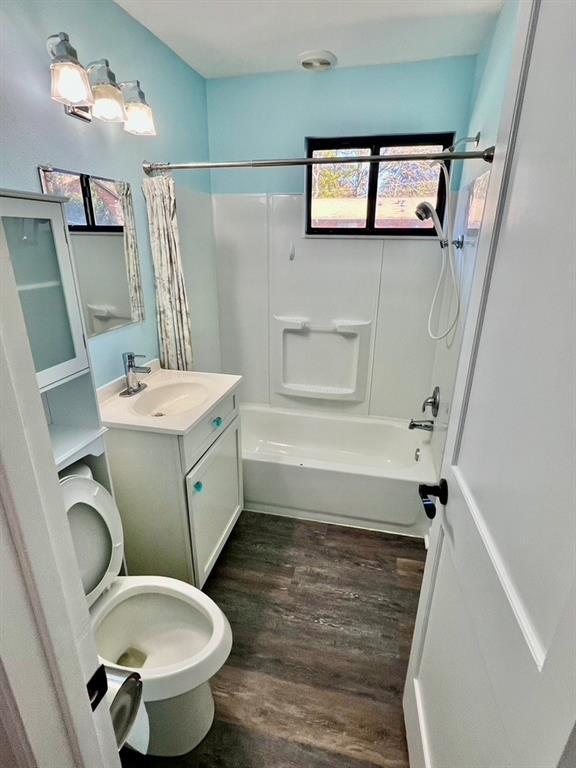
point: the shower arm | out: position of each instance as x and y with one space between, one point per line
481 154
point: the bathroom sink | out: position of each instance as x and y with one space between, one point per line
170 399
173 401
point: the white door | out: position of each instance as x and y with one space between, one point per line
492 674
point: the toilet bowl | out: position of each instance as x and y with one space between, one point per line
168 631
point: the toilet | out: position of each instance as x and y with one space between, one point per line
168 631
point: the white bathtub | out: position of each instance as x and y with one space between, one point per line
348 470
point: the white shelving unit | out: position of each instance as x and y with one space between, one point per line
33 229
70 444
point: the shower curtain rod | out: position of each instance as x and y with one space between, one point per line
482 154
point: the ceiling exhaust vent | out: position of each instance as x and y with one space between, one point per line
317 61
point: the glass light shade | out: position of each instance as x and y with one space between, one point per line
108 104
70 84
140 120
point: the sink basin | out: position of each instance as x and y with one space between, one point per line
172 403
170 399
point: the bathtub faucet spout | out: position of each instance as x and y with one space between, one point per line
426 424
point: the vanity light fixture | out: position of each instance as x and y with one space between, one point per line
108 102
140 119
94 92
70 84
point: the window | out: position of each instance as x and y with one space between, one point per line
94 203
374 198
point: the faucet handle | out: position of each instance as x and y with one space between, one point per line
128 359
433 402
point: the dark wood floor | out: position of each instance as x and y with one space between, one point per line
322 618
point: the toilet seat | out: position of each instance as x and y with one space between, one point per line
97 533
183 634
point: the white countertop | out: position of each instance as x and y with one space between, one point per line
167 390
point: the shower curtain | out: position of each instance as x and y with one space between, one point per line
171 300
131 252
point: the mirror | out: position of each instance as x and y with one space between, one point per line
101 223
102 280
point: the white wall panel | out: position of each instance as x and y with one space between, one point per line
404 353
388 282
327 280
240 228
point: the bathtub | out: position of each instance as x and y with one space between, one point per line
356 471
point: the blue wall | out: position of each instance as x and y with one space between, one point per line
270 115
492 74
36 131
491 83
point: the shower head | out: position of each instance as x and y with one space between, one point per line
426 210
423 211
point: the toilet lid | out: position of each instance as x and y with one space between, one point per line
96 530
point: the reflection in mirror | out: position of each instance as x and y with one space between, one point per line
102 280
100 218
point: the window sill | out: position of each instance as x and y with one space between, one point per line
368 238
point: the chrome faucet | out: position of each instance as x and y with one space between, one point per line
133 386
426 424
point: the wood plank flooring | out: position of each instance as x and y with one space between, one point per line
322 618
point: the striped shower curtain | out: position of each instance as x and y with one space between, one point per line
131 252
171 301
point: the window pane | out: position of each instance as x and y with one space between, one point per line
401 186
106 203
67 185
340 191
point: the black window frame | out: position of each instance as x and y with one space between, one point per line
375 143
84 178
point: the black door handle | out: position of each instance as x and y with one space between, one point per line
440 491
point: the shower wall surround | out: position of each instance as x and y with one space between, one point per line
388 283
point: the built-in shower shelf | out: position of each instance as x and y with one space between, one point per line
321 358
71 443
316 390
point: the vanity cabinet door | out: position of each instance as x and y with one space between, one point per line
214 490
34 234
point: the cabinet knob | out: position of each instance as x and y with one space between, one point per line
199 487
217 422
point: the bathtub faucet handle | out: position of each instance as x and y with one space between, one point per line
433 402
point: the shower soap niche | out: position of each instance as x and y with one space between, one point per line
315 359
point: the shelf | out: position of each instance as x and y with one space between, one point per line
37 286
70 443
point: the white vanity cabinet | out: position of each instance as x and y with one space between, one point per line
179 494
34 232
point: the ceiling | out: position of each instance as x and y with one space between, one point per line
222 38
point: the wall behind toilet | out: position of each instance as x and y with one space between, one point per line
36 131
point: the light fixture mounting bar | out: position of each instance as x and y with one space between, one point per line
483 154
